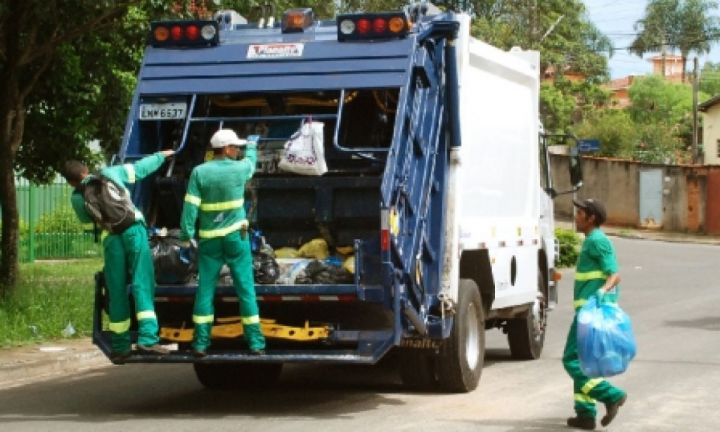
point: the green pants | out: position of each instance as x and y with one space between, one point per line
129 254
235 252
587 390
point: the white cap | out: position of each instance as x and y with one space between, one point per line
226 137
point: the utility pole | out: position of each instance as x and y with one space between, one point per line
695 87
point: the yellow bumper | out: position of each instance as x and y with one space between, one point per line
230 328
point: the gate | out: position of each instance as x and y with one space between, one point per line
651 198
49 228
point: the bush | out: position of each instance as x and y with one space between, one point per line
569 247
60 220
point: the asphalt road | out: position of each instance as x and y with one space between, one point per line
671 290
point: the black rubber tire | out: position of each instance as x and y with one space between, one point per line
526 336
237 375
418 370
462 356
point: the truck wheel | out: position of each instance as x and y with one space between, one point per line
526 335
237 375
462 356
417 370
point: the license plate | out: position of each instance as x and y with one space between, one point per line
163 111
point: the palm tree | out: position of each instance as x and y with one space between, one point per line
685 25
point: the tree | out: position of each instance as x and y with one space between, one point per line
685 25
617 132
710 79
34 38
568 43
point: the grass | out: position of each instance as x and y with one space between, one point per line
49 295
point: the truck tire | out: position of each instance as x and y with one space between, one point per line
462 356
237 375
526 335
418 370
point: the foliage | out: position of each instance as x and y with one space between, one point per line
685 25
615 130
61 220
569 247
568 43
50 296
710 79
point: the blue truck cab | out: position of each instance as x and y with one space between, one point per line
438 187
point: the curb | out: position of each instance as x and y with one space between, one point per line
24 365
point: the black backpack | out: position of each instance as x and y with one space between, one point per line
108 204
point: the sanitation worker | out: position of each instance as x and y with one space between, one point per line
215 195
596 269
127 253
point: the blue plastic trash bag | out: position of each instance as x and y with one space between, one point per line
605 339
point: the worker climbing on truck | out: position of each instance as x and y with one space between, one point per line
125 244
215 192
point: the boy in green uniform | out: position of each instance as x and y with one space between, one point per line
596 270
215 194
125 252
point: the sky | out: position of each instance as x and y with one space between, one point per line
616 19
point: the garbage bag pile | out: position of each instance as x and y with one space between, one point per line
173 263
605 339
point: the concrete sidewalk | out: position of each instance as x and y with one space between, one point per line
24 365
20 366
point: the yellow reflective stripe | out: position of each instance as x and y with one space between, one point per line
192 199
203 319
88 226
146 315
221 232
579 303
579 397
586 276
255 319
219 206
130 173
120 327
591 384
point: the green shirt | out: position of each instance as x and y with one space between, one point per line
123 175
215 194
596 262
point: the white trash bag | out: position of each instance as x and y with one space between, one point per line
304 153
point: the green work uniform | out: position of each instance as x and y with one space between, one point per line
215 194
128 252
596 262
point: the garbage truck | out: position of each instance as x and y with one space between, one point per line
437 190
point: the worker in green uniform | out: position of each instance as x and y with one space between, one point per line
215 194
596 274
126 253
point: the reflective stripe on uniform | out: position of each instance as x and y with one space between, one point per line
579 397
580 303
255 319
221 232
219 206
591 384
192 199
146 315
119 327
130 173
586 276
203 319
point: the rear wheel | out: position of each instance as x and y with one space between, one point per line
237 375
463 354
526 335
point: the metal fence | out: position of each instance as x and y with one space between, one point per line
49 228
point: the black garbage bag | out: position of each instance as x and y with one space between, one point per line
173 263
319 272
266 268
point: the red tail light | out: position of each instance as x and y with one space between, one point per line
385 240
192 32
176 33
363 26
379 25
183 33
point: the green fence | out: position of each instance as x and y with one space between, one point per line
48 226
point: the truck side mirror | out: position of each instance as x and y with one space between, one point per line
576 176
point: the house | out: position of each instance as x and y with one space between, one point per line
673 67
711 130
620 91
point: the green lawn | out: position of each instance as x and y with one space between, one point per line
49 296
